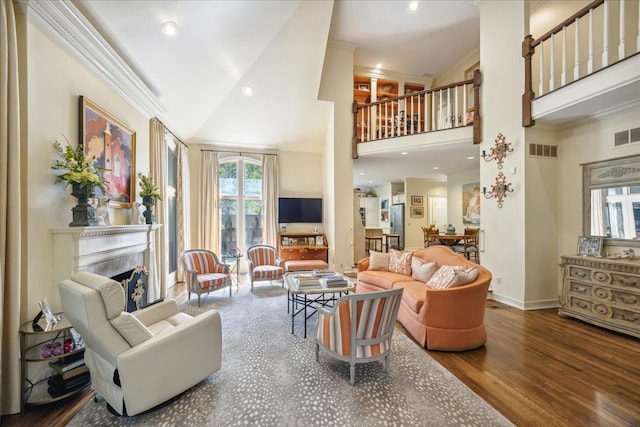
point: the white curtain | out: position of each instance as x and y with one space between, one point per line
10 213
270 199
182 205
209 218
158 172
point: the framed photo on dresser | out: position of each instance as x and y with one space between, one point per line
590 246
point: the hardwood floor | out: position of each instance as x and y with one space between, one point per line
537 368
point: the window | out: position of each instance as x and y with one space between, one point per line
621 213
169 197
172 208
240 205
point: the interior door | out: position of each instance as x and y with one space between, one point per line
438 212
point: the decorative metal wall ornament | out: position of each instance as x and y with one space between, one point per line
499 190
499 152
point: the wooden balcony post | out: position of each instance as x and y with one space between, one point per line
477 121
354 139
528 95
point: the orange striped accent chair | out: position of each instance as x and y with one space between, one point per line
264 264
358 329
204 273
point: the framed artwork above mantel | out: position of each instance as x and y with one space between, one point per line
113 144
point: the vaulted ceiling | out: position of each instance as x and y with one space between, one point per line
277 48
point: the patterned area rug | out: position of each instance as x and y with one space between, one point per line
269 377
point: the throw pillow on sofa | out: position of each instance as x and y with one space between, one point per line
400 262
422 270
450 276
379 261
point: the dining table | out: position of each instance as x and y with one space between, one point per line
450 239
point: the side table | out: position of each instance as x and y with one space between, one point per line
36 393
233 261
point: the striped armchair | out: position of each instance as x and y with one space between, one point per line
204 273
358 329
264 264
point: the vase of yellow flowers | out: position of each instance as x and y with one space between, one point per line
83 177
150 194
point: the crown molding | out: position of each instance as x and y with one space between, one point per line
68 26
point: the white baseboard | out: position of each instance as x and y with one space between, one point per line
528 305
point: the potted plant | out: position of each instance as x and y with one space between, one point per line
81 173
150 194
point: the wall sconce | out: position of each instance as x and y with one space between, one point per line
499 190
499 152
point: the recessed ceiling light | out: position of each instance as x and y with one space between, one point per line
404 153
370 182
361 173
414 5
379 65
436 167
470 158
247 90
169 28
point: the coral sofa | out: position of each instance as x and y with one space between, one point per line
449 319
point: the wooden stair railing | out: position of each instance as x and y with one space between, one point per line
423 111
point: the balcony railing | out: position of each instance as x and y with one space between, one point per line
577 47
445 107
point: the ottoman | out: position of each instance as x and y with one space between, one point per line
305 265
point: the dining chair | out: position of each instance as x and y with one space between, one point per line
469 245
431 236
358 329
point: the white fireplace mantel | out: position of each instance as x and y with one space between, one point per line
107 250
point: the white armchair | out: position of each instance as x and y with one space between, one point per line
133 357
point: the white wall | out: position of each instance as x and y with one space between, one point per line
300 176
457 72
413 235
502 29
337 87
541 224
55 80
586 142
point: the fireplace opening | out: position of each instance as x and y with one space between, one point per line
135 283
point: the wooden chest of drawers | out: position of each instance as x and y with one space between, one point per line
303 246
603 292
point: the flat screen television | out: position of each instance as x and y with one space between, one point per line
298 209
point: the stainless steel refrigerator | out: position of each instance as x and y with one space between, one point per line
397 222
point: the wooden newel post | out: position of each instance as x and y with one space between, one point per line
477 120
354 139
528 95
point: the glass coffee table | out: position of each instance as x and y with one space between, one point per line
305 300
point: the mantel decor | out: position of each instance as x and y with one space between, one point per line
499 190
81 173
149 193
499 151
113 146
